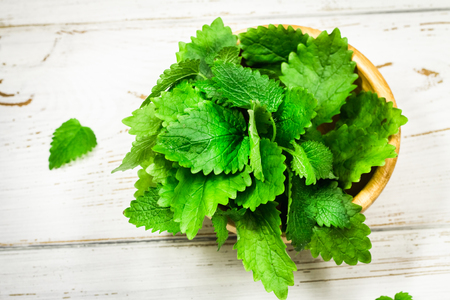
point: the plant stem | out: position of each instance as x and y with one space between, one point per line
274 127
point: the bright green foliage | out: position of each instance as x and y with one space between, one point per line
270 45
181 70
294 115
209 88
398 296
348 245
208 43
219 222
159 169
324 67
262 250
372 114
145 180
323 203
355 153
209 138
263 119
172 104
312 160
140 152
143 121
197 196
273 167
229 55
167 190
70 141
240 86
255 151
144 211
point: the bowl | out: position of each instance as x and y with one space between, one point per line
372 184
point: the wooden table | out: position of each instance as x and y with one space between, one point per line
62 232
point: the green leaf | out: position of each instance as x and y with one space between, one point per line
208 43
263 119
159 169
140 152
167 190
273 167
294 115
144 182
323 203
209 88
143 121
220 228
372 114
70 141
144 211
181 70
172 104
209 138
348 245
255 151
234 213
384 298
240 86
324 67
262 250
355 153
403 296
229 55
268 45
197 196
312 160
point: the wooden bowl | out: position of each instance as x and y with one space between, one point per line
370 79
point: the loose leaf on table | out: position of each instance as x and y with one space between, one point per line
398 296
229 55
207 44
240 86
323 203
181 70
312 160
324 67
273 167
143 121
70 141
270 45
208 138
197 196
220 228
144 211
141 151
371 113
255 151
348 245
294 115
355 152
261 249
172 104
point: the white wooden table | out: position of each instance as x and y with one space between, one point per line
62 232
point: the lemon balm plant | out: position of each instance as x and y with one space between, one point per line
232 132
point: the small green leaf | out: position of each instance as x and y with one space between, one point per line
144 182
208 138
143 121
140 152
255 151
229 55
262 250
70 141
348 245
159 169
172 104
324 67
240 86
273 168
220 227
181 70
144 211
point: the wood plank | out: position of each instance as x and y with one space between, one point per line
12 12
98 73
416 261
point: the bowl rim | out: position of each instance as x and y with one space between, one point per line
375 82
